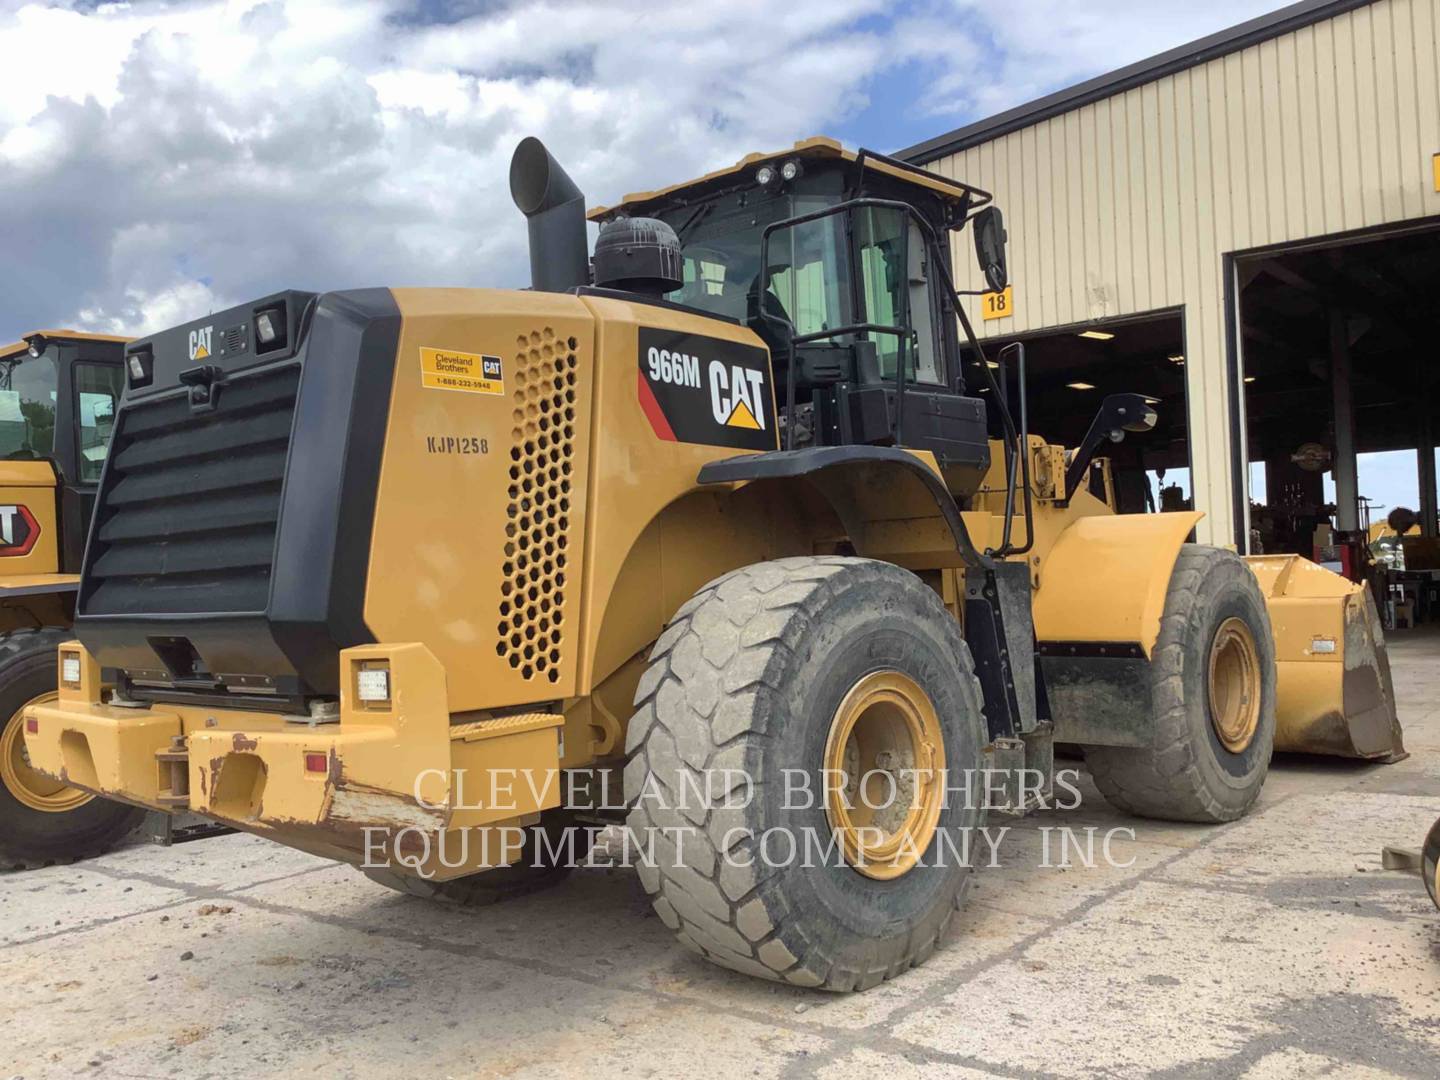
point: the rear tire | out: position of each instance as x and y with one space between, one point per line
753 675
41 821
1211 749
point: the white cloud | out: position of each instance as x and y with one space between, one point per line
158 159
1008 56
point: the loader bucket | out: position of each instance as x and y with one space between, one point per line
1334 694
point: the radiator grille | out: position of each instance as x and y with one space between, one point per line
537 528
187 517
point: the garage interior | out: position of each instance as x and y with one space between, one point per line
1070 371
1337 361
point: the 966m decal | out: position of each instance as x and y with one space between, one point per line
706 390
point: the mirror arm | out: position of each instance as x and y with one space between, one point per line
1110 424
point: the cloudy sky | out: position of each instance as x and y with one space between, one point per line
162 159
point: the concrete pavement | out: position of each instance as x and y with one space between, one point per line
1272 947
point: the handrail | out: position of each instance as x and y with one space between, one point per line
981 197
1006 548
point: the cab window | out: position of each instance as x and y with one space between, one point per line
28 386
808 285
893 269
808 274
97 392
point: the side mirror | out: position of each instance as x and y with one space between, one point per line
989 225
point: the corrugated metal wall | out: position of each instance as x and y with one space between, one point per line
1128 205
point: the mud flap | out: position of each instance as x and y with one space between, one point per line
1001 636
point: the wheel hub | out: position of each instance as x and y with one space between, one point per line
31 788
1234 685
884 762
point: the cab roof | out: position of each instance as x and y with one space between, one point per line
818 147
7 351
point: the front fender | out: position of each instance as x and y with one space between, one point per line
1106 577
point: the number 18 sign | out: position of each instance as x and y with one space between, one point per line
998 305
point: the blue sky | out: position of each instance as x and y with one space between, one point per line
372 136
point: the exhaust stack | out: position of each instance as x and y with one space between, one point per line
555 209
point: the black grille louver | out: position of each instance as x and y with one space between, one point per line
186 518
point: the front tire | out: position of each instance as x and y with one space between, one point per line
1212 691
43 821
775 672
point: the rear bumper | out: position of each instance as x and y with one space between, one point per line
379 781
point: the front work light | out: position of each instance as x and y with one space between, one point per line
36 345
767 177
791 170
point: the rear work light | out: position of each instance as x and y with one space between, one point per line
140 366
270 328
372 685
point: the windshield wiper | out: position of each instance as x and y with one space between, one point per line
700 214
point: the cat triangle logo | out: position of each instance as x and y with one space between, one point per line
201 342
742 417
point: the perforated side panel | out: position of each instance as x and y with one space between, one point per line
533 610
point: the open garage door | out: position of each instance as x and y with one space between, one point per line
1069 372
1338 373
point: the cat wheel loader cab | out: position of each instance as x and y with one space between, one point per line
416 578
58 391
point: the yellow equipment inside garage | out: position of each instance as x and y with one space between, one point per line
385 573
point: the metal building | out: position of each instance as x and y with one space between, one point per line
1259 207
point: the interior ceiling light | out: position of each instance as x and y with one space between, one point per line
1176 358
1249 378
1096 335
1080 386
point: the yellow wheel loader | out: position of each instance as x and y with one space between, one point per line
58 392
708 534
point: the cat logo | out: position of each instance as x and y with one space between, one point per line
18 530
706 391
200 343
737 396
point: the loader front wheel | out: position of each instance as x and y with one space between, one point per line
1212 693
788 765
44 821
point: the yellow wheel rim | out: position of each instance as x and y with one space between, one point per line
884 780
1234 685
31 788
